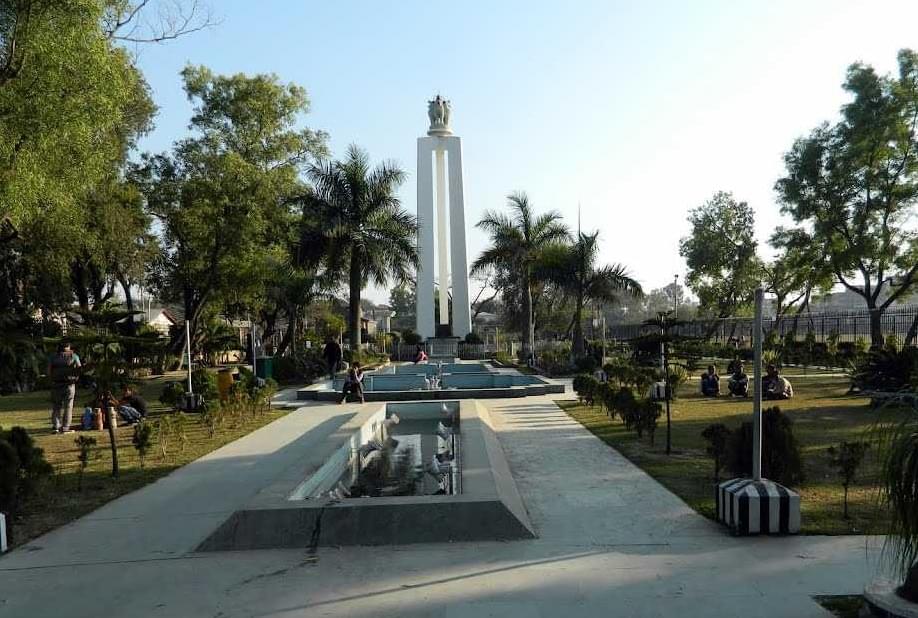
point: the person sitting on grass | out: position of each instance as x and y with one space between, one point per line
710 382
738 384
353 383
776 386
132 407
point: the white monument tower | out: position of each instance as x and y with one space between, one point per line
445 149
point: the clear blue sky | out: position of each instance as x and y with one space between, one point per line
637 110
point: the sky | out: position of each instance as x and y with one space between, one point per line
635 111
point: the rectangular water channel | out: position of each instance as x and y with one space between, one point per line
404 449
471 497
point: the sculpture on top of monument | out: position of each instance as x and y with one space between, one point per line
438 112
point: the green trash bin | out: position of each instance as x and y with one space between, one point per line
264 367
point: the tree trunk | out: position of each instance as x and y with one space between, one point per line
912 332
110 413
129 303
577 347
354 302
289 333
529 334
876 327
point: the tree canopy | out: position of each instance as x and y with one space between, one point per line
852 187
720 253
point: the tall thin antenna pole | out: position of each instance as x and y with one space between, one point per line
578 220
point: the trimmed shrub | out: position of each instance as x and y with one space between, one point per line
473 338
172 394
410 337
9 477
204 383
648 412
717 436
781 459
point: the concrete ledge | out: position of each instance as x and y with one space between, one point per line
883 601
489 508
510 392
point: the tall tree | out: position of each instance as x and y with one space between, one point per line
356 225
220 193
518 240
402 301
852 187
574 269
721 255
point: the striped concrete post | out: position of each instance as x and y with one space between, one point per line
757 505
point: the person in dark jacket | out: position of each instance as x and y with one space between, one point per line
353 383
332 356
64 372
710 382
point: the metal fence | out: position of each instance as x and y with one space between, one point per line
848 325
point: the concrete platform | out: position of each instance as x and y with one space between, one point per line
611 542
489 507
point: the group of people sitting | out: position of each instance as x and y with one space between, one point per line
130 407
774 385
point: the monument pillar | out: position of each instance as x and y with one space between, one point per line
441 183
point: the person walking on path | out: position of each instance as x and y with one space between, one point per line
64 372
353 383
332 356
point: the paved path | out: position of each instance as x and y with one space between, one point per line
612 543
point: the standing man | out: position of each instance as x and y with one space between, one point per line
64 372
332 355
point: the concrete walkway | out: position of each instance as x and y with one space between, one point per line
612 542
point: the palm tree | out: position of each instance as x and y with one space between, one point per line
354 221
573 268
517 242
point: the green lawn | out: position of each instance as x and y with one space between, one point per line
60 501
823 415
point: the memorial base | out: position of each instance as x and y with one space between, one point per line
751 507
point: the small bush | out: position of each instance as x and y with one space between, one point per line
204 383
586 364
9 477
409 337
474 338
86 453
648 413
21 473
781 459
142 440
285 369
886 370
585 386
717 436
847 458
172 394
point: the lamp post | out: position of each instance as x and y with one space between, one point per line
675 295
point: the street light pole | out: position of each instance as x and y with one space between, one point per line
675 295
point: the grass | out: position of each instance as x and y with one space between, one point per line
823 414
59 500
